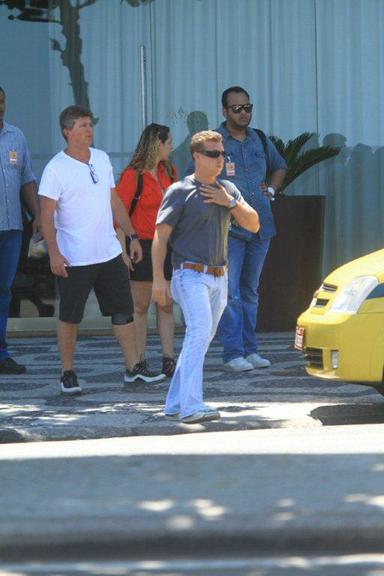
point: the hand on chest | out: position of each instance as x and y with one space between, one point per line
200 210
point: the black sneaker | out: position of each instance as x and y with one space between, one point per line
142 372
9 366
169 366
69 383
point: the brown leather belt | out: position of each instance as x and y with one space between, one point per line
198 267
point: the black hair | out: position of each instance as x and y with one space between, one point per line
236 89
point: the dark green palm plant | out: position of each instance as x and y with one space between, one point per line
298 161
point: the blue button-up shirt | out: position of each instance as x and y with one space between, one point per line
250 169
15 171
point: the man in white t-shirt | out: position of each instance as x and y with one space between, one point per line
78 205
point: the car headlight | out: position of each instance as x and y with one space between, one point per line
353 294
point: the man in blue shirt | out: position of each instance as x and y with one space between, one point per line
246 166
16 178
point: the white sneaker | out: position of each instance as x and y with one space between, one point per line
239 364
203 416
257 361
174 416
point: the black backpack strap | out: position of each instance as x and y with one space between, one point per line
264 142
139 189
137 195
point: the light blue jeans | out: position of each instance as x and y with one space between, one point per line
202 298
237 328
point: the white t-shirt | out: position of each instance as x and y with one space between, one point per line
83 216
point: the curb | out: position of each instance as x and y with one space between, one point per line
113 545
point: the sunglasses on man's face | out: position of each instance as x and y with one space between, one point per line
213 153
237 108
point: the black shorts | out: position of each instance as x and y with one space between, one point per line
110 280
142 271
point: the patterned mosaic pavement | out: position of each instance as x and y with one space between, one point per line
31 407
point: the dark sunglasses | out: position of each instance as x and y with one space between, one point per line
213 153
237 108
93 174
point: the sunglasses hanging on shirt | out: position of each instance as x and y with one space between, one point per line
93 174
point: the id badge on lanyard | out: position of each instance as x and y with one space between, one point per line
12 157
230 168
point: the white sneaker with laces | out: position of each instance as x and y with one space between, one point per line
257 361
202 416
239 364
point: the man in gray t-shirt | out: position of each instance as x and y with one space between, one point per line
199 230
194 217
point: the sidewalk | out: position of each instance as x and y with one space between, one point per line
32 409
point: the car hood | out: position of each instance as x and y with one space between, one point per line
370 265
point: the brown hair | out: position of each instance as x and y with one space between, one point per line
144 156
70 114
200 138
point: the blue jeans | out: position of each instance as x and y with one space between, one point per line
10 246
202 298
237 328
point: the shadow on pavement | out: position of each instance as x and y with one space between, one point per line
349 414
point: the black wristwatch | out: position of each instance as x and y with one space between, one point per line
232 203
133 237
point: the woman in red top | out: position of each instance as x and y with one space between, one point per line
151 171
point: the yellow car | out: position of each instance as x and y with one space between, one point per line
342 331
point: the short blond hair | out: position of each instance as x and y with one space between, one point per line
200 138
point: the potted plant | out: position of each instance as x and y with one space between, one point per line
292 269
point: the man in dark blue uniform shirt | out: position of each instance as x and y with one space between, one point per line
246 166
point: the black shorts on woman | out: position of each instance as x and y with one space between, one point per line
142 271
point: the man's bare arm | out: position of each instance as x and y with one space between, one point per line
277 179
246 216
121 216
160 287
57 261
29 194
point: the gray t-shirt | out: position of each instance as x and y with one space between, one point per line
200 231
